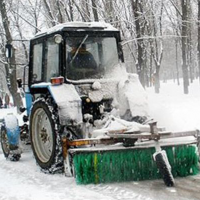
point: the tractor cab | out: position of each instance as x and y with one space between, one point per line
77 85
75 51
86 58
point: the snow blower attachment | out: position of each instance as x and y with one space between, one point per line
85 115
143 160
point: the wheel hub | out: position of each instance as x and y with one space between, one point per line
44 135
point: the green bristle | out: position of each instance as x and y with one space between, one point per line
183 160
132 164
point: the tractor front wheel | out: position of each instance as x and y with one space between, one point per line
45 136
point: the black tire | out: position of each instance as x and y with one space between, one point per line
5 146
4 142
46 141
164 170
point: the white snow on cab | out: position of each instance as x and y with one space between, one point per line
79 26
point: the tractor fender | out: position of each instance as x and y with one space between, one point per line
11 125
67 100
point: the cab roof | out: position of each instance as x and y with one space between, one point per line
78 26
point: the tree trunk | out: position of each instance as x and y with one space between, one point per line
66 11
49 12
184 46
79 10
189 43
198 47
71 11
85 8
157 80
177 70
60 15
151 68
109 10
140 43
94 9
13 82
21 37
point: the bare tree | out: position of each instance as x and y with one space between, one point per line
32 10
94 10
198 47
60 13
12 75
190 43
109 11
50 15
139 29
157 48
184 4
18 26
81 12
86 8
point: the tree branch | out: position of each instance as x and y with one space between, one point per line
178 11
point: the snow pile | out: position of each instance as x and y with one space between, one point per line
115 125
130 93
11 122
125 89
133 96
5 111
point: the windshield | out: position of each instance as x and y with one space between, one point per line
90 57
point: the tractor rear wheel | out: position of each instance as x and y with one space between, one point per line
45 136
4 142
5 146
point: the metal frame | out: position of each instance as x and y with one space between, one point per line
114 137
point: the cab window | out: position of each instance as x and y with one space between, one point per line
51 68
37 62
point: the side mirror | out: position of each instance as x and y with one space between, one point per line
19 82
9 50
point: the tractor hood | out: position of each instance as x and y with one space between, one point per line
125 91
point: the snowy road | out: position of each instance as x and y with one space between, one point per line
24 181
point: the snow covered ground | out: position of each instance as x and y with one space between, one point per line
171 108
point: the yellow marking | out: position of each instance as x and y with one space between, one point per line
95 168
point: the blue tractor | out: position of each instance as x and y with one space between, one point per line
71 84
80 100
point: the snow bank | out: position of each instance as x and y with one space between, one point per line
173 109
132 95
